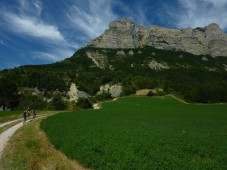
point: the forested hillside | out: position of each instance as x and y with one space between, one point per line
194 78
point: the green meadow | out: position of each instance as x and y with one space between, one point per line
143 133
10 115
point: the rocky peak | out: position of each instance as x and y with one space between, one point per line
213 30
199 41
123 25
214 27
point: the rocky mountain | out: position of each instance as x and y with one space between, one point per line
209 40
127 59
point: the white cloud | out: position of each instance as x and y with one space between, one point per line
218 3
44 56
94 20
25 20
33 7
53 55
38 6
199 13
137 11
33 27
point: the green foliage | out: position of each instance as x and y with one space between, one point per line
142 82
128 90
84 103
57 103
160 93
189 76
8 94
28 100
103 96
150 93
143 133
45 80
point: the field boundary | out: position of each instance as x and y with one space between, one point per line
177 98
30 148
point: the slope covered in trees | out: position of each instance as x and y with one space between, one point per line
193 78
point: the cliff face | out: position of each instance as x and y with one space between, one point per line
125 34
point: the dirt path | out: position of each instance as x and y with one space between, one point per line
17 120
4 137
181 100
9 122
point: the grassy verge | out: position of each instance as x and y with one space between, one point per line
12 115
30 149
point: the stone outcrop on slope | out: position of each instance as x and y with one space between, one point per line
74 94
115 90
199 41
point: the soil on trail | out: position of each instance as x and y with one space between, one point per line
9 122
4 136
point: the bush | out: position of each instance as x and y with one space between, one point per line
150 93
58 103
160 93
128 91
32 101
84 103
103 96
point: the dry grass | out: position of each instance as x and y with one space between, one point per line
2 129
29 148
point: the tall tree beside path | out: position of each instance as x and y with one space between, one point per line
8 94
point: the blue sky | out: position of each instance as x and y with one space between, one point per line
46 31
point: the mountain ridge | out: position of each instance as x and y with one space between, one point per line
125 34
98 70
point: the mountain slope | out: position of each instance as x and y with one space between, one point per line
182 73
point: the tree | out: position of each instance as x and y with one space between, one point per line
84 103
8 94
58 103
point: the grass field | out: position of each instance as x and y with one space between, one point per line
143 133
10 115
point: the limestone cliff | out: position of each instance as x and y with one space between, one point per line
126 34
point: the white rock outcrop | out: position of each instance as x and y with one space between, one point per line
114 90
74 94
98 59
154 65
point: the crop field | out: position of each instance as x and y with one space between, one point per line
9 115
143 133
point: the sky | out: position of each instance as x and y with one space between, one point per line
45 31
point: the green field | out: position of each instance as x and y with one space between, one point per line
10 115
143 133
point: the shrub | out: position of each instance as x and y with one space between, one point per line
32 101
160 93
58 103
128 91
150 93
103 96
84 103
